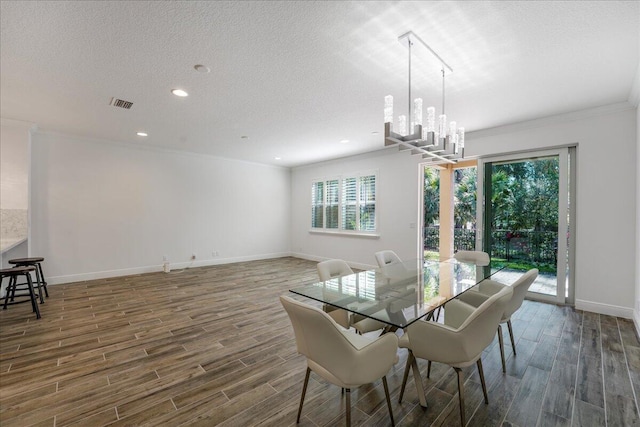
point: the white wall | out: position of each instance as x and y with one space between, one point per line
397 199
103 209
606 200
14 164
14 188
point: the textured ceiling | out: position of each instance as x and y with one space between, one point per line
299 77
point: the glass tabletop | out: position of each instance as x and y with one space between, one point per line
398 294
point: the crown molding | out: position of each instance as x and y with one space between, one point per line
144 147
22 124
553 120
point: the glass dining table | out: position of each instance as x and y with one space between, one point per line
399 294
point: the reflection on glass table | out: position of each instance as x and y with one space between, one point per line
398 294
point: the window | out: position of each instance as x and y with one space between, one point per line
317 205
344 204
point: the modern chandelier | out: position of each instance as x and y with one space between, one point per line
444 144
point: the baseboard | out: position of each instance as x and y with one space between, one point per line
356 265
70 278
610 310
636 321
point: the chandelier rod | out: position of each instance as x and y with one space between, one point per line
442 90
409 35
409 42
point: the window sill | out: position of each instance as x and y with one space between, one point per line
346 233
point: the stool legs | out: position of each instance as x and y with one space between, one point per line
44 282
34 303
10 292
39 282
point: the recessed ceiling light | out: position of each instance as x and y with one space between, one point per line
142 134
179 92
244 137
375 132
202 68
344 141
277 158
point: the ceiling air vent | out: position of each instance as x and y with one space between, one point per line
121 103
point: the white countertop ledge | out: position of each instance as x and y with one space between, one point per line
7 243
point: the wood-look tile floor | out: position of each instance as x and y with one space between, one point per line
213 346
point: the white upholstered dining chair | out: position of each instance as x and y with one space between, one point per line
479 258
333 268
387 257
486 288
341 357
330 269
458 343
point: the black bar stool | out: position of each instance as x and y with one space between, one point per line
35 262
12 274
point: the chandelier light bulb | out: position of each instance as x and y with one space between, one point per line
461 137
417 112
452 129
388 109
402 125
431 119
442 126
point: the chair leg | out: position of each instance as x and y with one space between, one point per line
348 407
429 369
386 393
304 391
500 340
484 385
461 394
418 380
513 343
405 377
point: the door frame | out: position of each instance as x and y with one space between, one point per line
566 216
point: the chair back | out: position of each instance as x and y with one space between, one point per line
520 288
332 268
387 257
479 258
461 346
479 329
320 339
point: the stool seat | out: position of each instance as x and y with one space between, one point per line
31 260
10 292
17 270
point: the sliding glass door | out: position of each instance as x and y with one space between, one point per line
526 211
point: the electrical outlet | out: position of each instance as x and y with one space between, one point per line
215 253
165 258
193 256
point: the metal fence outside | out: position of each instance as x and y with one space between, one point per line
525 245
